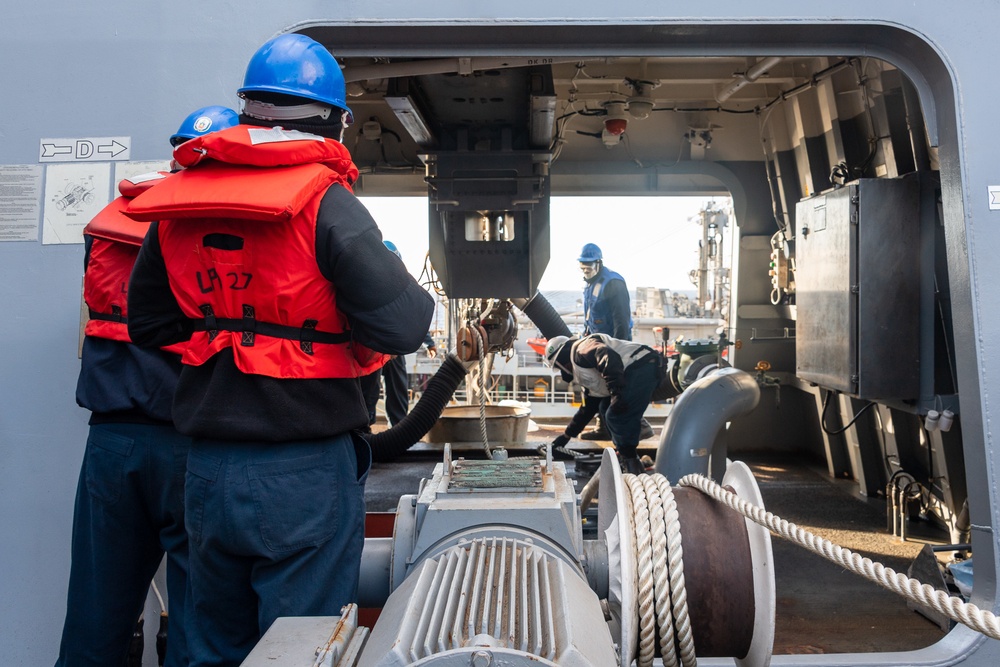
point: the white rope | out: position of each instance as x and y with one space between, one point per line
678 590
482 392
644 571
159 598
923 594
661 575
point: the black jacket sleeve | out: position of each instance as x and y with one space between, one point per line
583 416
154 317
386 308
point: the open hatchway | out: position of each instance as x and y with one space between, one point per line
838 147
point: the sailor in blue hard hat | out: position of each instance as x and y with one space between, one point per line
296 82
202 121
270 387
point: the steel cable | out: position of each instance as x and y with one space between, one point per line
482 393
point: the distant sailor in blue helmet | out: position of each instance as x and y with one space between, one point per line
606 305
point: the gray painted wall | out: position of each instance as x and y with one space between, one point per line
135 69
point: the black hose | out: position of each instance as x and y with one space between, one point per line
392 443
544 316
161 639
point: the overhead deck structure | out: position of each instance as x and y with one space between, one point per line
857 141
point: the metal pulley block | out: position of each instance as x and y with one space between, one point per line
470 341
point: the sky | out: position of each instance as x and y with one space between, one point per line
650 241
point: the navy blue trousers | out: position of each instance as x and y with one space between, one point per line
641 379
276 529
129 511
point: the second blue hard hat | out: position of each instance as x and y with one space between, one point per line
590 253
297 65
392 246
202 121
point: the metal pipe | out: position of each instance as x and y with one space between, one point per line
447 66
373 585
697 418
589 492
755 71
595 563
658 321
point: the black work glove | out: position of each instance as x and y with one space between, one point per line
618 405
561 441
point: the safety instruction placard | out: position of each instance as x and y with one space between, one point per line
74 194
20 189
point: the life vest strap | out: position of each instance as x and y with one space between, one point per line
249 326
114 316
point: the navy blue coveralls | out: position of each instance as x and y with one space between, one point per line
129 504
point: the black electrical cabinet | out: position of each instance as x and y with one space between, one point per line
857 283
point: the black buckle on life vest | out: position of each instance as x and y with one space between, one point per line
306 335
249 326
114 316
211 325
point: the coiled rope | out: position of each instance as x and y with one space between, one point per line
923 594
662 596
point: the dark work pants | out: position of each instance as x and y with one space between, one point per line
276 529
641 379
371 385
397 390
129 511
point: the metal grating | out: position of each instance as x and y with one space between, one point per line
498 587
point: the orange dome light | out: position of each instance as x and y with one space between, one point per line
615 126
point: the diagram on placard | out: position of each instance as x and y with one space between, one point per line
74 194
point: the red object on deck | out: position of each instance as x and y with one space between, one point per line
379 524
538 345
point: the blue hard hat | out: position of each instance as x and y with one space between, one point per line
590 253
297 65
392 246
204 121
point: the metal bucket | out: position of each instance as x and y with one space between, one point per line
460 423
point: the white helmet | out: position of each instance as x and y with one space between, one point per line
553 348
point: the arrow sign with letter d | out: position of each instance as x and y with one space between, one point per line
85 149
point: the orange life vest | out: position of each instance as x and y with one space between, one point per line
114 247
239 246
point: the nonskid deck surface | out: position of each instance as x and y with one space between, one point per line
821 608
